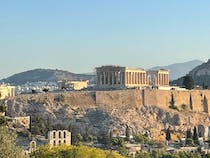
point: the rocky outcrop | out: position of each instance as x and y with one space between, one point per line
95 112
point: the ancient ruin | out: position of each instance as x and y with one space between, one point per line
59 137
124 77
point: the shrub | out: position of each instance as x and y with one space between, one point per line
184 106
73 152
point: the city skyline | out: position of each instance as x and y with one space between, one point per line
78 36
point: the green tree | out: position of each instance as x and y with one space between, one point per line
3 120
168 135
205 104
172 102
189 140
139 138
76 137
38 125
188 82
118 141
127 133
8 149
195 136
73 152
2 106
188 133
45 90
104 138
191 103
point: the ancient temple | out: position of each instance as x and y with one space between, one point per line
124 77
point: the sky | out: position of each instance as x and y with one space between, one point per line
79 35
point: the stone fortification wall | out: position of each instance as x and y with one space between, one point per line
196 100
119 97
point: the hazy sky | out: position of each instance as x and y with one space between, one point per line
77 35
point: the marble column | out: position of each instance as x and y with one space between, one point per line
167 79
128 77
100 78
134 79
112 78
141 78
159 79
164 79
126 80
104 77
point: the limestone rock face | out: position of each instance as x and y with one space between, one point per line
92 115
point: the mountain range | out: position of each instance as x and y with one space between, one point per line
200 74
46 75
178 70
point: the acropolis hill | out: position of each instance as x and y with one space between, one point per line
101 111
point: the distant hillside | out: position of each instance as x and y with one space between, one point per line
46 75
200 74
178 70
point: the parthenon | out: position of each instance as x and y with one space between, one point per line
124 77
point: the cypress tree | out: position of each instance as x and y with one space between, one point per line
205 104
189 140
195 136
168 135
127 133
191 106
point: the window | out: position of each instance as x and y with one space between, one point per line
64 141
64 134
54 143
59 142
59 134
53 134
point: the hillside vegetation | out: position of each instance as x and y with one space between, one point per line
74 152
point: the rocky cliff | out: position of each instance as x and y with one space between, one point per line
93 113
